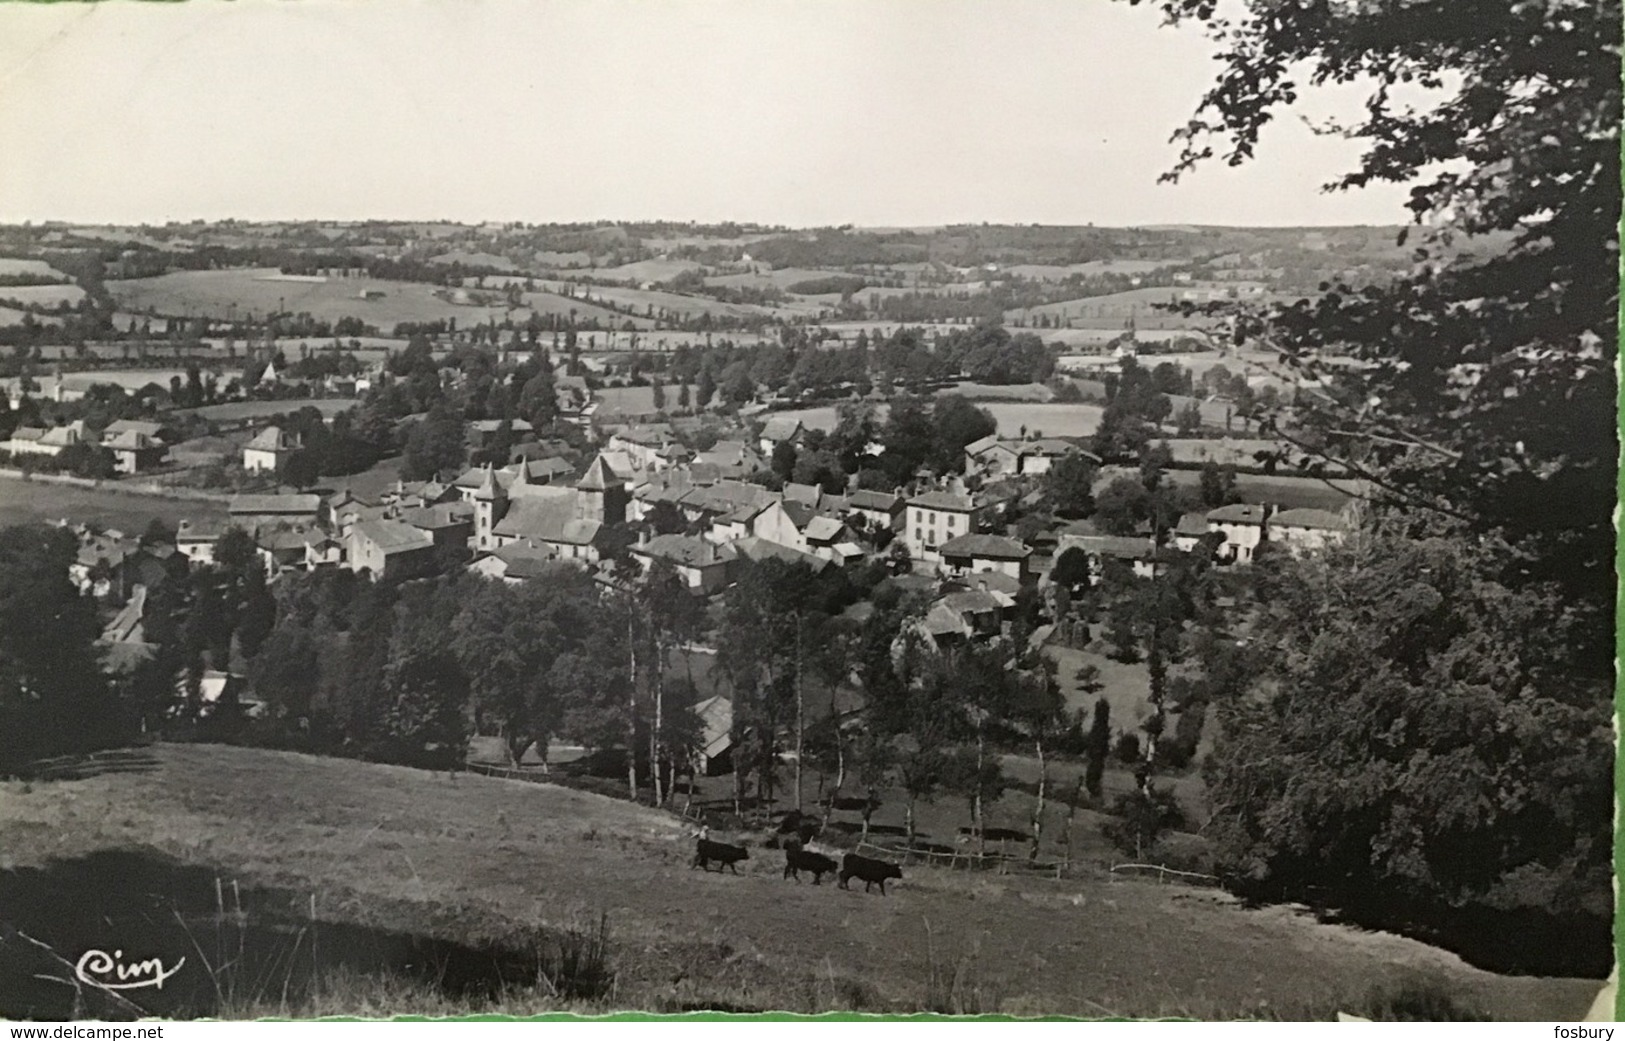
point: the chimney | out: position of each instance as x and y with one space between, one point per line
643 536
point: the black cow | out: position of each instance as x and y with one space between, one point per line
797 860
868 869
706 851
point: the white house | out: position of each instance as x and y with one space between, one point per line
269 450
1243 528
1306 529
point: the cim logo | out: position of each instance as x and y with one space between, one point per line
100 969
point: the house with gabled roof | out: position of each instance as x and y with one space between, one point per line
1303 530
877 509
269 450
780 430
389 549
251 511
967 555
1242 526
134 451
703 566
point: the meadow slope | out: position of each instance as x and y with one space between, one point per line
479 857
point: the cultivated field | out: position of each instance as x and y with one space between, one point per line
43 296
33 502
243 292
22 266
239 410
1050 420
477 859
12 316
633 401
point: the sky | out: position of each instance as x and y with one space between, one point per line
795 112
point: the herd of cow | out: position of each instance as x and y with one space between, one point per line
869 871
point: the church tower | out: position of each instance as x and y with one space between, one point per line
490 503
601 495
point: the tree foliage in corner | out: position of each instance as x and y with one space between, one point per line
1434 729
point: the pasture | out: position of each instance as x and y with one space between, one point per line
474 859
641 300
237 411
1048 420
36 502
43 296
633 401
245 292
12 316
29 266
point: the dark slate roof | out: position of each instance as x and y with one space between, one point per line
992 547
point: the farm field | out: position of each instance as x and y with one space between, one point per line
483 859
12 316
30 266
1050 420
656 270
233 293
633 401
674 303
1062 272
32 502
43 296
1284 490
238 410
762 278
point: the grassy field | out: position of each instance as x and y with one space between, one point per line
45 296
22 266
477 858
12 316
238 292
1049 419
30 502
673 303
634 401
236 410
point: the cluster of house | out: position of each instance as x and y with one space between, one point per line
136 445
1233 533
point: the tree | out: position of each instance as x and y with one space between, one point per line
956 422
425 721
1218 485
705 389
1188 419
1123 506
1071 569
53 699
1415 737
301 469
1098 746
1485 392
435 445
1069 486
285 672
658 396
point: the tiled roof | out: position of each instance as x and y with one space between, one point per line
865 499
1240 513
680 549
823 529
941 500
271 439
992 547
392 536
1323 520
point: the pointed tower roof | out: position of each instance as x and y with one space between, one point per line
599 477
488 490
